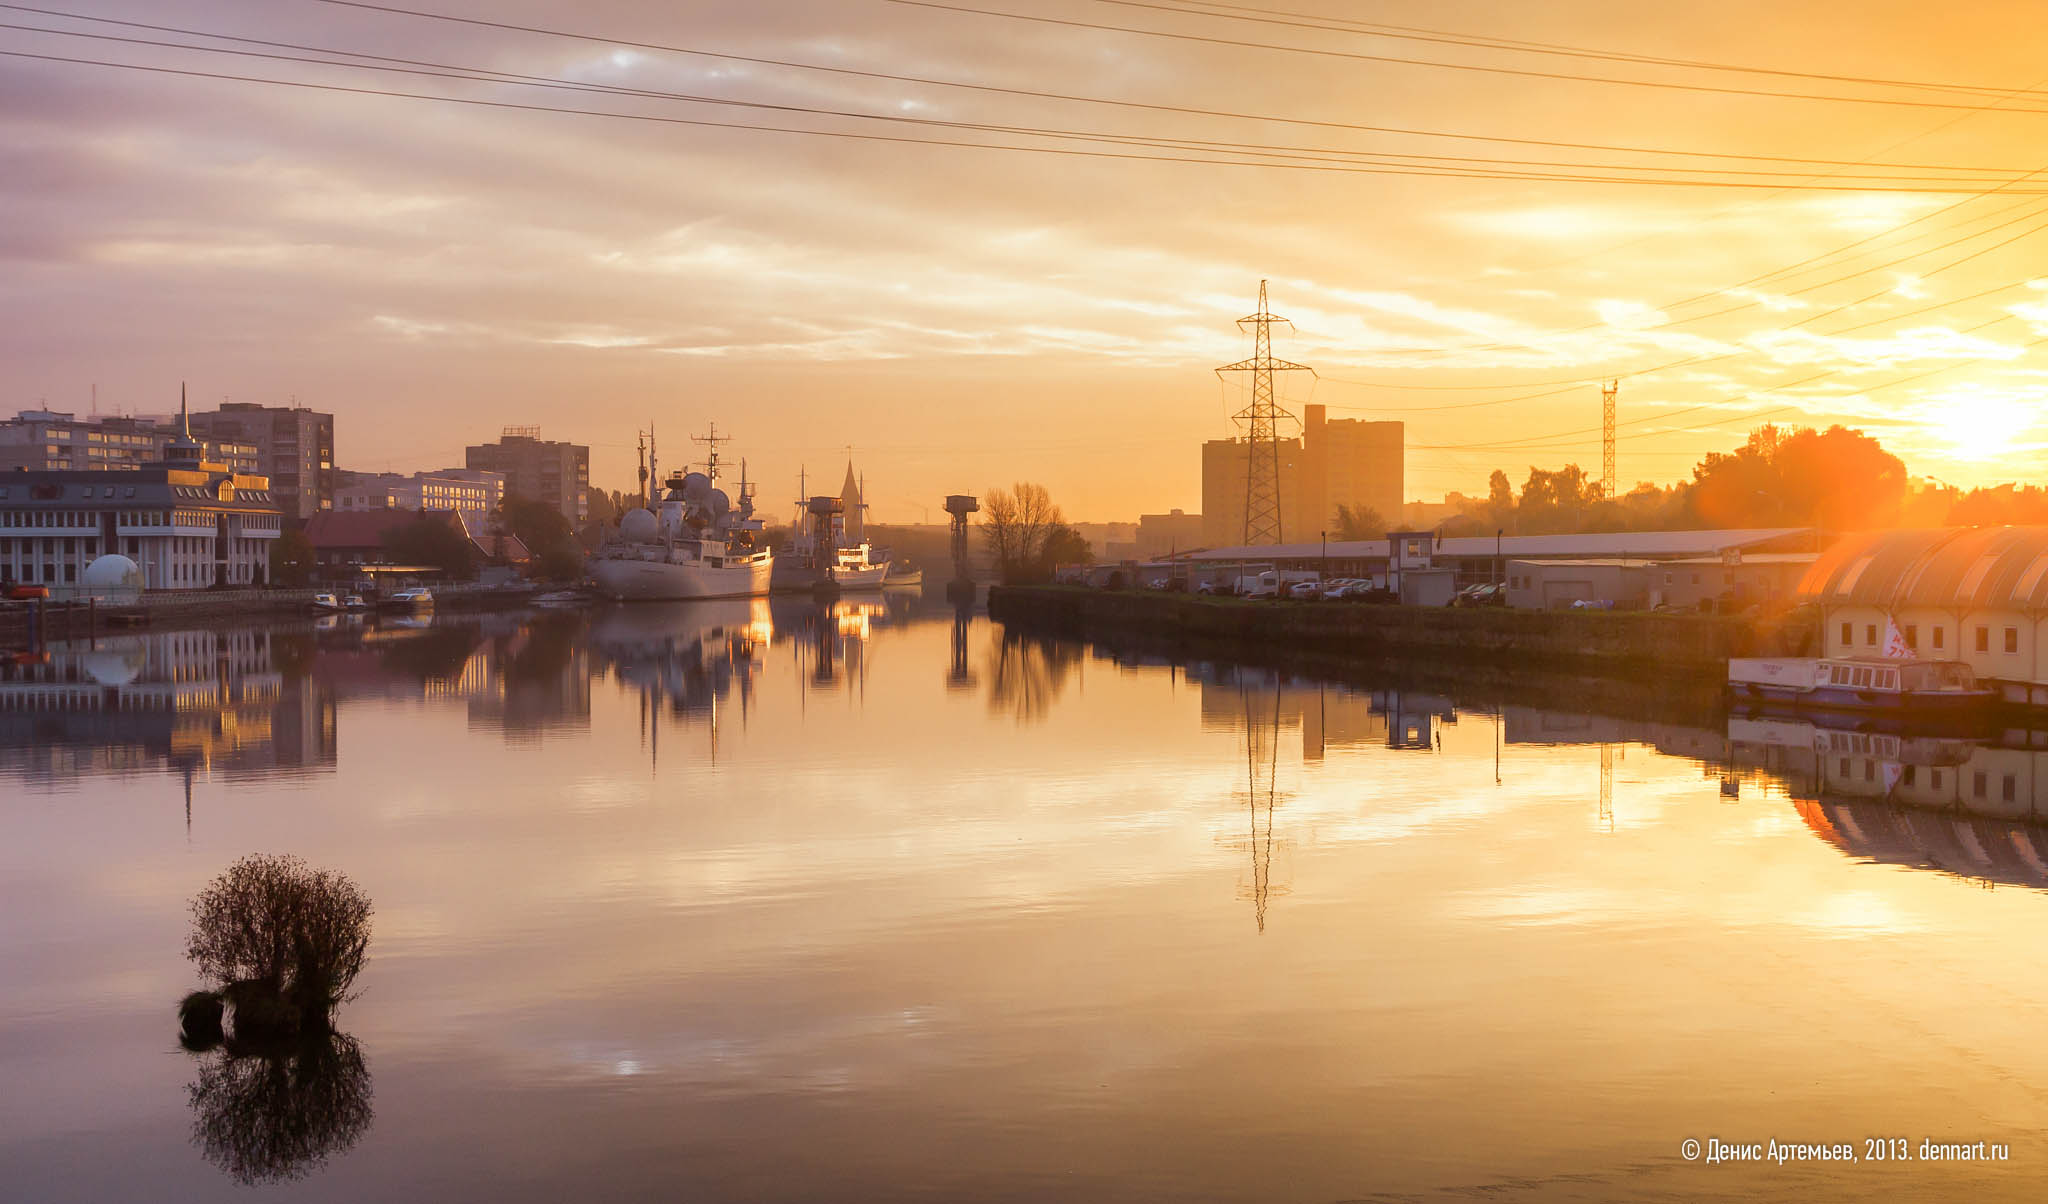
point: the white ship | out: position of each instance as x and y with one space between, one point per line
692 543
828 543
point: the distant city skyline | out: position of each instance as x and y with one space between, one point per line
955 317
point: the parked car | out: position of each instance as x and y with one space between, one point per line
1305 590
1490 593
1208 589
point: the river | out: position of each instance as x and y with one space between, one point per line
744 901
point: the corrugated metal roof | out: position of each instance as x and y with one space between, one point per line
1990 568
1649 545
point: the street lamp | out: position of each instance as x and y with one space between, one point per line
1324 574
1498 567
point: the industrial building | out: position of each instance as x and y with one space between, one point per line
1973 594
1163 535
547 471
294 450
1730 581
1473 560
1348 462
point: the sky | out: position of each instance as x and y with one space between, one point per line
955 317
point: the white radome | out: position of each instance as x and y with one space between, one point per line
638 526
111 570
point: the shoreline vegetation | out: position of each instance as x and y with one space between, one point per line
1651 649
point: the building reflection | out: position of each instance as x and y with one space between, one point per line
237 704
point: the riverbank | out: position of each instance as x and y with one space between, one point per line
201 608
1662 647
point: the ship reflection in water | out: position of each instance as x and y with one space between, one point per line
774 899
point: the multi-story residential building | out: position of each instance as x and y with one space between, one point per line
555 473
294 449
55 440
1348 462
1162 535
187 523
468 490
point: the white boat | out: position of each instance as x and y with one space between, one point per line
904 576
354 602
325 603
414 597
855 568
1905 685
693 544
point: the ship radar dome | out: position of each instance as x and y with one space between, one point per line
638 526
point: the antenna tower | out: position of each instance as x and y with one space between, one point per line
1607 392
711 442
1261 421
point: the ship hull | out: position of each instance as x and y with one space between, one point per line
866 577
656 580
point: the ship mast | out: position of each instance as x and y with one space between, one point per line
711 441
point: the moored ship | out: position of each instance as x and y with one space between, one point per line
694 542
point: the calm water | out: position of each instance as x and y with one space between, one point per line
741 902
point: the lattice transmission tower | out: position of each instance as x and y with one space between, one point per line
1607 392
1261 422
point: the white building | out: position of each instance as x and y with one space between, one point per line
187 523
470 491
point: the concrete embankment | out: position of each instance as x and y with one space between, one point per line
1646 646
201 608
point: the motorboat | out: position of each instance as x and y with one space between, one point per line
354 602
414 597
903 576
325 604
692 542
1875 685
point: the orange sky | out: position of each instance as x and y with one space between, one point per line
964 316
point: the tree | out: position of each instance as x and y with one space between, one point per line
546 533
1015 525
291 559
433 538
1359 522
299 934
1064 545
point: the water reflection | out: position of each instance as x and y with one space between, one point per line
280 1113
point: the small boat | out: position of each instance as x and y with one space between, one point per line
562 599
417 597
855 568
325 604
904 575
1869 685
354 602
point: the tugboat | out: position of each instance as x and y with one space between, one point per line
693 542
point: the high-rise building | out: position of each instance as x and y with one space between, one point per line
294 448
555 473
1162 535
1348 462
57 441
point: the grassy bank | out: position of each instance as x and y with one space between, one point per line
1648 646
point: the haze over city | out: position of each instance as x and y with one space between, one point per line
960 316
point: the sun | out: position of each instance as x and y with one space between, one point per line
1980 427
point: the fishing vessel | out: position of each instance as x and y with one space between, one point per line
692 541
1876 685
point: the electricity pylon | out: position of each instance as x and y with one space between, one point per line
1607 392
1261 421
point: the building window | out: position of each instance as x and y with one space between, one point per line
1870 634
1913 635
1848 635
1937 637
2012 639
1983 645
2010 787
1937 779
1977 783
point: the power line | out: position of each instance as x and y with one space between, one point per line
1326 52
1276 165
490 75
1063 97
1242 12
